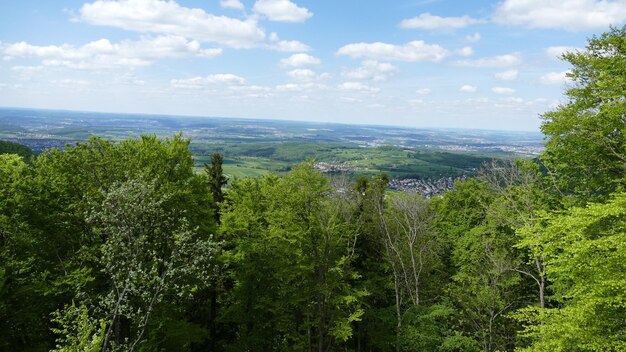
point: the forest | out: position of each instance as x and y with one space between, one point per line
122 246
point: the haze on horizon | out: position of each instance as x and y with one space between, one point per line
429 63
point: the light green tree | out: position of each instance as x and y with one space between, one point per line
586 262
586 135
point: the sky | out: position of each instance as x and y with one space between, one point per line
419 63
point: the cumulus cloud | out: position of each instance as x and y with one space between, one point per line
512 102
70 83
103 54
508 75
286 45
416 102
472 38
555 52
304 74
299 60
299 87
27 72
290 46
372 70
251 91
465 51
423 91
555 78
428 21
494 61
503 90
129 79
358 86
412 51
578 15
282 11
468 89
232 4
168 17
201 82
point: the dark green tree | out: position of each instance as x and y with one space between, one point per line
216 177
292 260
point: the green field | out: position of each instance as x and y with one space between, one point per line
259 159
258 147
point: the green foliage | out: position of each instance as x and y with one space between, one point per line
147 254
51 252
77 331
586 145
305 262
586 263
484 286
291 262
426 328
216 178
7 147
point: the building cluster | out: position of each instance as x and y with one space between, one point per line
517 149
425 187
324 166
38 145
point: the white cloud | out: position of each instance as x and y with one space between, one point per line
511 102
494 61
304 74
555 52
508 75
251 91
290 46
423 91
412 51
168 17
372 70
299 87
282 11
70 83
102 54
475 101
201 82
555 78
129 79
299 60
232 4
351 100
465 51
468 89
503 90
472 38
358 86
428 21
286 45
27 72
573 15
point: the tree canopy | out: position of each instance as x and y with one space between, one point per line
121 246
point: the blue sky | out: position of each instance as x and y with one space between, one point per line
422 63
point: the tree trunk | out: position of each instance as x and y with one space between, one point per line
212 317
398 313
542 288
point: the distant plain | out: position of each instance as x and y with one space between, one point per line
257 147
